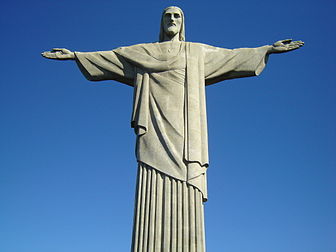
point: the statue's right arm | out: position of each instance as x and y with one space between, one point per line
59 54
97 66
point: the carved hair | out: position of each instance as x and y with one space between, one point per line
182 30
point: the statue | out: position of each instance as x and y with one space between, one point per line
169 119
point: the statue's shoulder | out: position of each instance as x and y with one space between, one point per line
156 44
200 46
139 48
154 48
195 43
206 49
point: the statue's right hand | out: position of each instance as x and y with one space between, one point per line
59 54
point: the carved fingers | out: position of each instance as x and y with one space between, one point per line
59 54
286 45
282 42
296 44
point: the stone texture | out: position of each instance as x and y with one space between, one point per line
169 119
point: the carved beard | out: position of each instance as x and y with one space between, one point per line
172 30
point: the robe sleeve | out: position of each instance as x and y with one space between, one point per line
222 64
105 65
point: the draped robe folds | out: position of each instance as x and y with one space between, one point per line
169 109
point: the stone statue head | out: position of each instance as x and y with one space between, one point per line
172 22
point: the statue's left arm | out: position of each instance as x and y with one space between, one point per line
285 45
222 64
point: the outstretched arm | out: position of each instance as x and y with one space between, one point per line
97 66
59 54
222 64
285 45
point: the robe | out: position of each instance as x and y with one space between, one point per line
169 107
169 119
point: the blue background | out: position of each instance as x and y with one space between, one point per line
67 165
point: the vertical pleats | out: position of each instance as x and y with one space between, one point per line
168 214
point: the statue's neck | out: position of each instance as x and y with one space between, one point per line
175 37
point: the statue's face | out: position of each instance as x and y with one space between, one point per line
172 21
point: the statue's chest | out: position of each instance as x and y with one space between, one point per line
167 51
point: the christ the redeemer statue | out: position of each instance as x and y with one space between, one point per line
169 119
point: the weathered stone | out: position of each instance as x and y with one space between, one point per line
169 118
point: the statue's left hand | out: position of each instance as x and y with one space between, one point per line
285 45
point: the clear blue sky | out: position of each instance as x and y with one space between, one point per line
67 165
